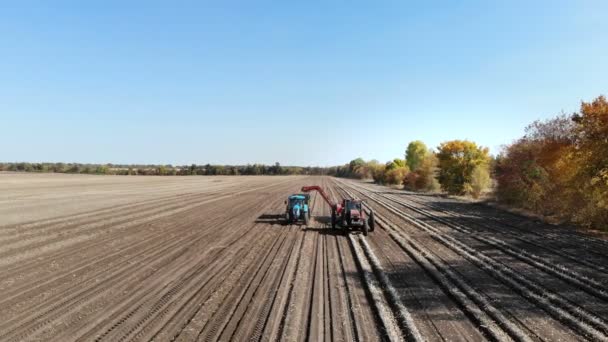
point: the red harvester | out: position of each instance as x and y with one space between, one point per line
349 214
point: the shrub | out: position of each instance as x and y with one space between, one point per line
377 171
395 176
480 181
424 177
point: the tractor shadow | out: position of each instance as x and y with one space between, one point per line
271 219
277 220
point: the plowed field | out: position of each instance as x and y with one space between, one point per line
114 258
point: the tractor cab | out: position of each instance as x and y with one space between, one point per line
296 200
352 213
352 205
297 208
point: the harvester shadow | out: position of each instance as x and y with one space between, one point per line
324 231
323 219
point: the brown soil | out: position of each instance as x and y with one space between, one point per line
112 258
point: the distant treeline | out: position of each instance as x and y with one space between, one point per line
559 168
166 170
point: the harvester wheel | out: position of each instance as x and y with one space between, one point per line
333 218
372 222
365 228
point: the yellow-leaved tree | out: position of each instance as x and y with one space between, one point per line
591 154
458 159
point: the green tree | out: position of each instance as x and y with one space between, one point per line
395 164
102 170
276 169
415 153
457 160
73 168
355 165
399 162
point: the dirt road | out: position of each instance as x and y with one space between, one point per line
110 258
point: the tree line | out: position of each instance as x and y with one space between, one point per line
164 170
458 167
559 168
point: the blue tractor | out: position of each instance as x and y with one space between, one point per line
297 208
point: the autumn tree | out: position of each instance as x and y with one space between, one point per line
395 175
415 153
371 170
591 154
457 160
425 176
560 167
536 171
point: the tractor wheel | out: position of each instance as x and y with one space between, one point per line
306 219
365 228
291 218
372 222
333 218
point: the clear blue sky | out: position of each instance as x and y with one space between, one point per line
307 83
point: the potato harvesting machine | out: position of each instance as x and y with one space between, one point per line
349 214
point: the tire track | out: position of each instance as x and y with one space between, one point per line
577 280
160 308
396 318
539 241
74 300
27 288
568 313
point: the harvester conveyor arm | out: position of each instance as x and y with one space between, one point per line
322 192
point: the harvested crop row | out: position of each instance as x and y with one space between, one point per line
586 323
